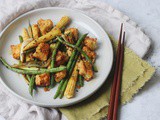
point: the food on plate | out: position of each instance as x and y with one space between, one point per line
51 54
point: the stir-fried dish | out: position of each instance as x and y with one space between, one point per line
51 54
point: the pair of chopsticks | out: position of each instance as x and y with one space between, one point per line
115 90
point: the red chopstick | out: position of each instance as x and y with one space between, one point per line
113 107
117 95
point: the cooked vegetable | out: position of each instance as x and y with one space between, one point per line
64 82
28 77
54 54
25 34
45 26
35 31
59 89
22 55
45 38
70 66
50 55
74 53
29 57
30 32
34 63
31 85
74 46
70 89
63 22
29 51
52 80
32 71
69 74
80 82
42 52
20 38
95 68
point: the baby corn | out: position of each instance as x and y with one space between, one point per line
69 92
63 22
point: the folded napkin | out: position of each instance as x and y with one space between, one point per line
136 73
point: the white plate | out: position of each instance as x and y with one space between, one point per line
15 83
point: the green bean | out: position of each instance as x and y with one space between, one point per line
39 64
74 52
75 47
54 54
30 26
59 88
28 77
20 38
52 81
31 85
80 81
95 68
69 65
31 71
69 74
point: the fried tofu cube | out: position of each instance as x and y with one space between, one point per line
81 67
29 57
91 54
16 50
45 25
85 69
60 75
25 34
71 35
69 50
61 58
36 31
42 52
91 43
43 79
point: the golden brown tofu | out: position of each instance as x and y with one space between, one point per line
61 58
29 57
91 54
45 25
42 52
91 43
16 50
35 31
71 35
85 69
60 75
43 79
69 51
81 67
25 34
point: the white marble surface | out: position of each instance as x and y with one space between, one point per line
146 104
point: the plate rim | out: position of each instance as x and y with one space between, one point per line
68 104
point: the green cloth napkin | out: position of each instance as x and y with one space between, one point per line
136 72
